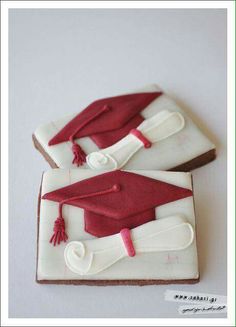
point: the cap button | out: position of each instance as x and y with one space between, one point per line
116 187
106 108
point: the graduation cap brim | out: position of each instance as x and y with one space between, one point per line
136 194
119 111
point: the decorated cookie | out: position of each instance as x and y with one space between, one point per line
118 227
140 130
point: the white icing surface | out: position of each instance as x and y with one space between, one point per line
93 256
157 128
169 153
157 265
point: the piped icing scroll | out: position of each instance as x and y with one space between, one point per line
93 256
152 130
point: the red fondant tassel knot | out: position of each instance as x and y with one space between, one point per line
79 155
59 234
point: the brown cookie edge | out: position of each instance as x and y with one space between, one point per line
197 162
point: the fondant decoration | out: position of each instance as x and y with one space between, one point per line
128 243
146 143
93 256
185 150
100 118
59 230
144 268
113 201
152 130
59 225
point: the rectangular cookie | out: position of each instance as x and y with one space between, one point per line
120 228
101 127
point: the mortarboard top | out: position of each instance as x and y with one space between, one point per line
113 201
106 121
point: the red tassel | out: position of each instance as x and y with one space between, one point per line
59 234
79 155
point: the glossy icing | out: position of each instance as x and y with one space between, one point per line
189 143
157 265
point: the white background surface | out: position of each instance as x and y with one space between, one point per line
60 60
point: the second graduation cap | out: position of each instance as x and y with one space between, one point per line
106 121
113 201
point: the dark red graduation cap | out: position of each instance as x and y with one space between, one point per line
113 201
106 121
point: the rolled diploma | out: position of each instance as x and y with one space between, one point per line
156 128
93 256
